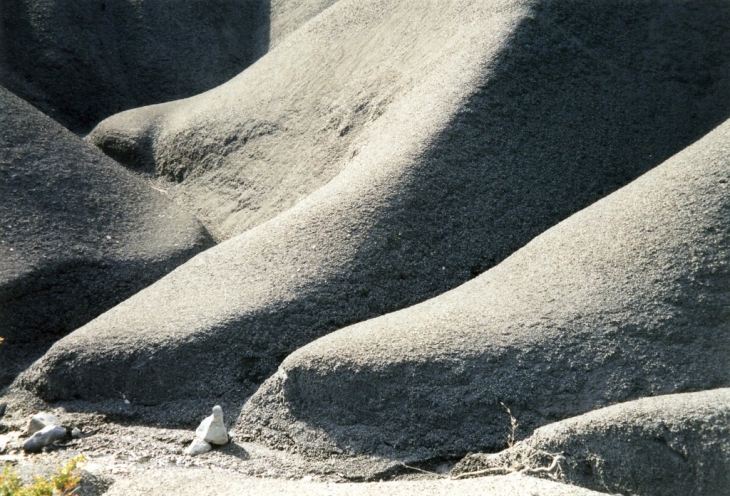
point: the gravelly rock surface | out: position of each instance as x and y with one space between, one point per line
78 233
625 299
535 111
667 445
376 154
537 94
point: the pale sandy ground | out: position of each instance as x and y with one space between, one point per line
207 482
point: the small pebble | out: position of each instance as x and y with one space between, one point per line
198 447
39 421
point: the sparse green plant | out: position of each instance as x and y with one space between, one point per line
62 483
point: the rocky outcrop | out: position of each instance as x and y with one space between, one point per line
624 299
80 62
79 232
553 89
439 138
667 445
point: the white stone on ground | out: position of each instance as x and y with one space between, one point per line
39 421
198 447
212 429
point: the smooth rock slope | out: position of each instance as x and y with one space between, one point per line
632 80
460 130
625 299
80 62
78 232
669 445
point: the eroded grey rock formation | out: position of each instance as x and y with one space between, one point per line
669 445
624 299
79 233
442 138
80 62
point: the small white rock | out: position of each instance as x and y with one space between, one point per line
76 433
198 447
45 437
39 421
212 429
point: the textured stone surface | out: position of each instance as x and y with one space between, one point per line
40 420
213 429
667 445
625 299
442 138
198 447
45 437
78 233
251 148
82 61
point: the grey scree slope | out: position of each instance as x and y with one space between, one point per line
78 232
627 298
579 100
82 61
526 120
673 445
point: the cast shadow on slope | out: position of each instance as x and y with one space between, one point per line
531 146
585 98
65 296
80 62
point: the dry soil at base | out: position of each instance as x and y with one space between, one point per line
207 482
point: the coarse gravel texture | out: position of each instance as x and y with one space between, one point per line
78 233
677 444
530 112
625 299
